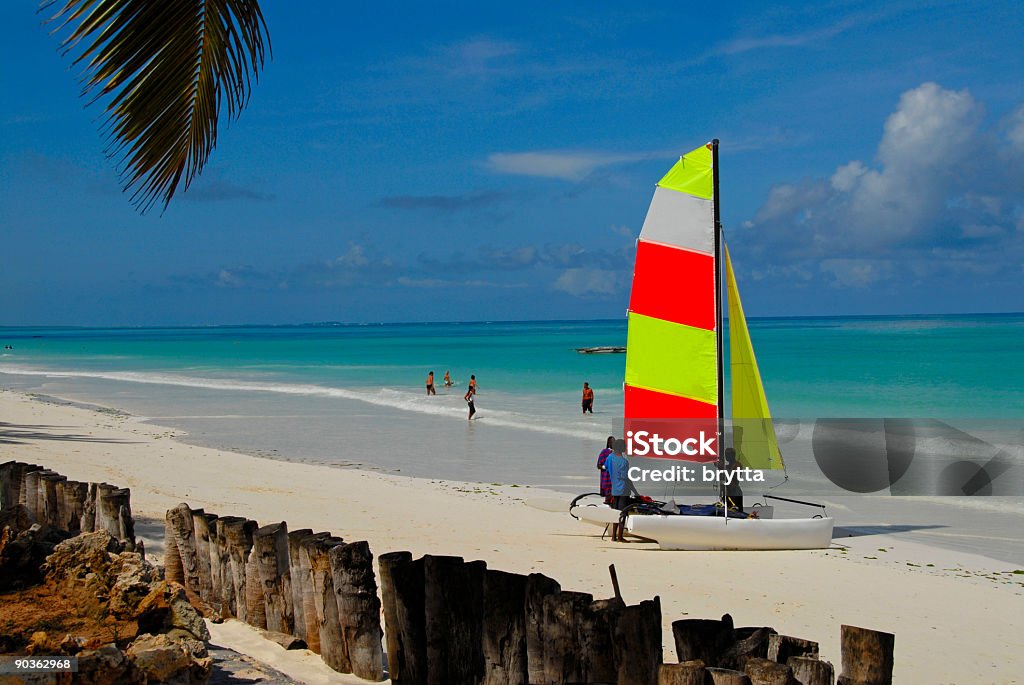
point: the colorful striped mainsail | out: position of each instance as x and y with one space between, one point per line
671 351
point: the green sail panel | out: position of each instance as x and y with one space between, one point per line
753 431
672 358
692 174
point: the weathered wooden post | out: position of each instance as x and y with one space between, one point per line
255 605
9 470
401 588
562 654
333 650
308 600
106 517
702 639
538 587
201 525
637 643
271 542
504 631
355 588
867 656
180 521
22 491
238 534
453 594
173 570
88 522
781 647
51 504
299 578
768 672
595 635
220 568
727 676
686 673
75 493
811 671
30 489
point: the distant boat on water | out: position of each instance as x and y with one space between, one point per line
605 349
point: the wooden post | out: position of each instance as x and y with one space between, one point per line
271 544
595 634
300 578
686 673
333 650
726 676
563 660
355 588
51 504
238 534
173 571
867 656
768 672
9 470
201 525
702 639
748 643
308 600
180 521
637 643
223 581
88 522
214 600
811 671
401 589
538 586
74 504
30 489
781 647
504 630
255 605
22 491
453 602
106 516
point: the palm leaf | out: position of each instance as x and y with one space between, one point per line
165 69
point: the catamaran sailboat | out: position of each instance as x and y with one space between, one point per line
675 363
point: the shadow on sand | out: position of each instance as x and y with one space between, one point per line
860 531
15 434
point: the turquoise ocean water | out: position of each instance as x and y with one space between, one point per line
352 396
934 366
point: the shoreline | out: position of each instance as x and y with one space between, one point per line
879 581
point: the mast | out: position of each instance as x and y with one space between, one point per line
718 323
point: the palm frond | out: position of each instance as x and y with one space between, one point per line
166 69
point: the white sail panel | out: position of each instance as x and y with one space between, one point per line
680 220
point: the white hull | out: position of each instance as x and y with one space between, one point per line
718 533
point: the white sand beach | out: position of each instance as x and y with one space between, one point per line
957 617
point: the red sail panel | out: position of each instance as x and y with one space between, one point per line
651 404
674 284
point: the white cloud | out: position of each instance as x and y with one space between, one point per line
566 165
940 179
587 282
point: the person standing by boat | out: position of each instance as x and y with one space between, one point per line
605 485
588 398
430 384
469 396
733 491
622 487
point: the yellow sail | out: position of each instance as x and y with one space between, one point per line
753 432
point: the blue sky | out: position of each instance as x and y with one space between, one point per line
402 162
